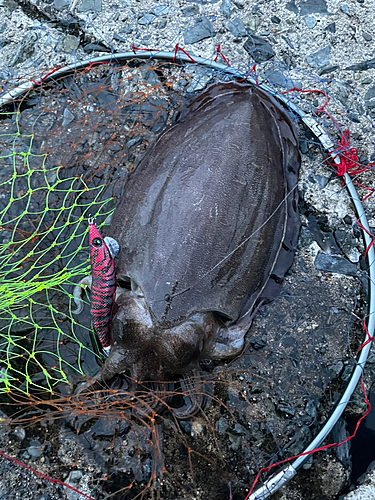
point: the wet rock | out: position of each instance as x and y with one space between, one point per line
278 78
146 19
321 180
258 341
320 58
259 48
9 6
162 24
91 47
186 426
292 7
321 235
336 367
275 20
105 427
19 433
236 27
201 30
328 69
61 4
311 409
342 95
347 244
362 66
127 30
160 10
366 81
225 8
67 117
330 28
73 480
199 80
90 6
68 44
370 98
221 426
240 430
190 10
339 434
4 42
285 408
366 36
345 9
118 38
251 22
335 264
310 21
312 7
26 49
35 450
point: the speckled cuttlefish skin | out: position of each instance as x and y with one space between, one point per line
207 226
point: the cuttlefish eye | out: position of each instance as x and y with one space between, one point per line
97 242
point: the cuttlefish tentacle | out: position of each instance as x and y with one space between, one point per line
193 393
78 291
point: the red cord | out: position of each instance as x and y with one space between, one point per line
219 53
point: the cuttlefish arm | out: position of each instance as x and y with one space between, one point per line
77 293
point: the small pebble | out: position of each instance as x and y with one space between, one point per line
236 27
310 21
146 19
366 36
345 9
201 30
221 426
275 20
330 28
19 433
190 10
90 6
160 10
225 8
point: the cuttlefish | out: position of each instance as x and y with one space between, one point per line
207 227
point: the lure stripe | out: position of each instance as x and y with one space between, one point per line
103 288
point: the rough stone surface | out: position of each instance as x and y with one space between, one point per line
259 48
335 264
310 21
90 6
236 27
201 30
68 44
320 58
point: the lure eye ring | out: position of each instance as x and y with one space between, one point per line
97 242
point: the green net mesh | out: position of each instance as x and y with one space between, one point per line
57 165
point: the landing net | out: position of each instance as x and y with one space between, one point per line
66 146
